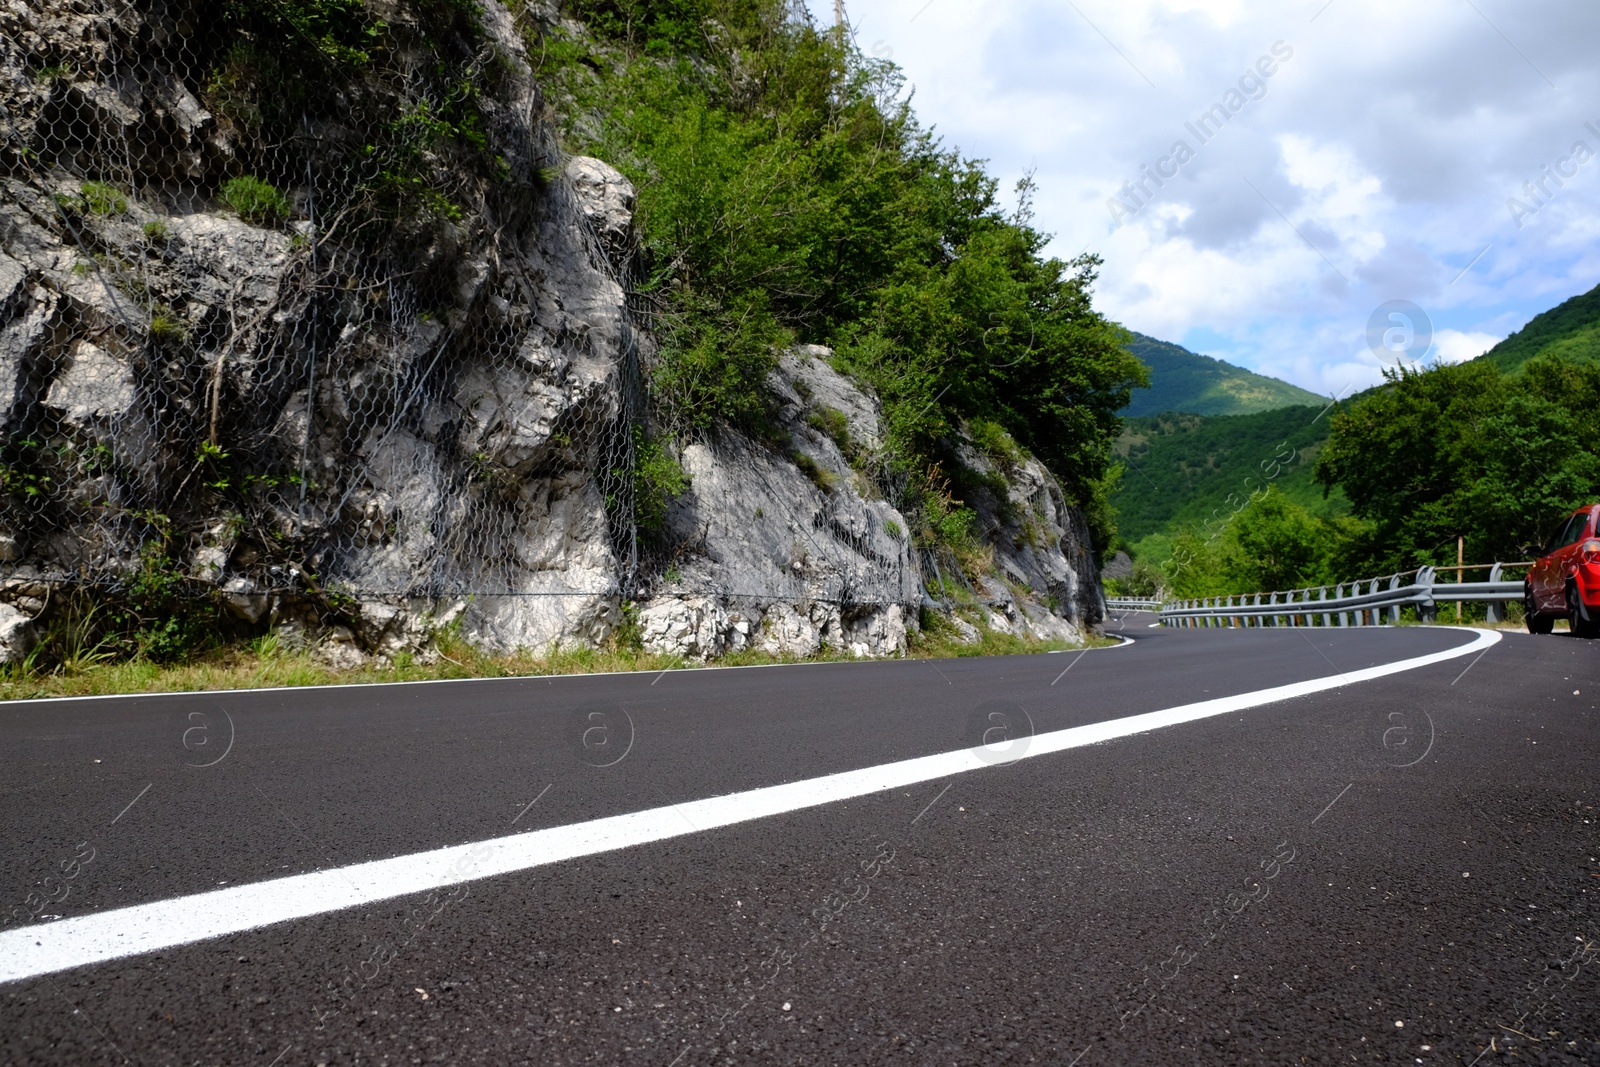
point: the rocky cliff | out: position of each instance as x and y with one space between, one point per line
247 359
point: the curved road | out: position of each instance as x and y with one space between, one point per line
1211 847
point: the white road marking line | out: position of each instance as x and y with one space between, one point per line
1123 641
546 678
117 933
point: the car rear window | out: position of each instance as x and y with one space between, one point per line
1575 528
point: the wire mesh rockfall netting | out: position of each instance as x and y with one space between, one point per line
301 296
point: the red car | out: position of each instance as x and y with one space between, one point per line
1565 581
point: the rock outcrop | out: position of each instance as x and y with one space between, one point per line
361 435
782 550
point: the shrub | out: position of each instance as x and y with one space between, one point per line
166 325
102 198
993 441
155 230
255 200
821 477
657 481
832 421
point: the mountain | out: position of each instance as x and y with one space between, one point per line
1571 328
1185 381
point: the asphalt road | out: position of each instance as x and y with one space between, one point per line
1400 870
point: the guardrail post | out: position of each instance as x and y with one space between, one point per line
1394 609
1327 619
1374 615
1427 610
1255 601
1495 609
1338 594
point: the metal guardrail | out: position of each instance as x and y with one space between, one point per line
1132 603
1348 603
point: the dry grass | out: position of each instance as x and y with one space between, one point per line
266 665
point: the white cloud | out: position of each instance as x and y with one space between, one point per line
1381 152
1453 346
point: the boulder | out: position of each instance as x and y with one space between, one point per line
604 195
17 635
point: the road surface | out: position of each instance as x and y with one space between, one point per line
1207 846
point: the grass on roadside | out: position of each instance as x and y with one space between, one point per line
267 664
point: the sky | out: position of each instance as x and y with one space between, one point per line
1379 181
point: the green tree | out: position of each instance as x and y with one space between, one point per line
1274 544
1466 451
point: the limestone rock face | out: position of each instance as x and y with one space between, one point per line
1047 584
92 385
604 195
359 441
17 636
782 549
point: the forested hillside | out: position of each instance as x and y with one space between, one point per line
1570 329
1185 468
1462 451
1183 381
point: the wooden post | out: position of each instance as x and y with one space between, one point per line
1461 548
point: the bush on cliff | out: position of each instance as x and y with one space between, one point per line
788 193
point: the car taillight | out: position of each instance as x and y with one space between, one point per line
1591 552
